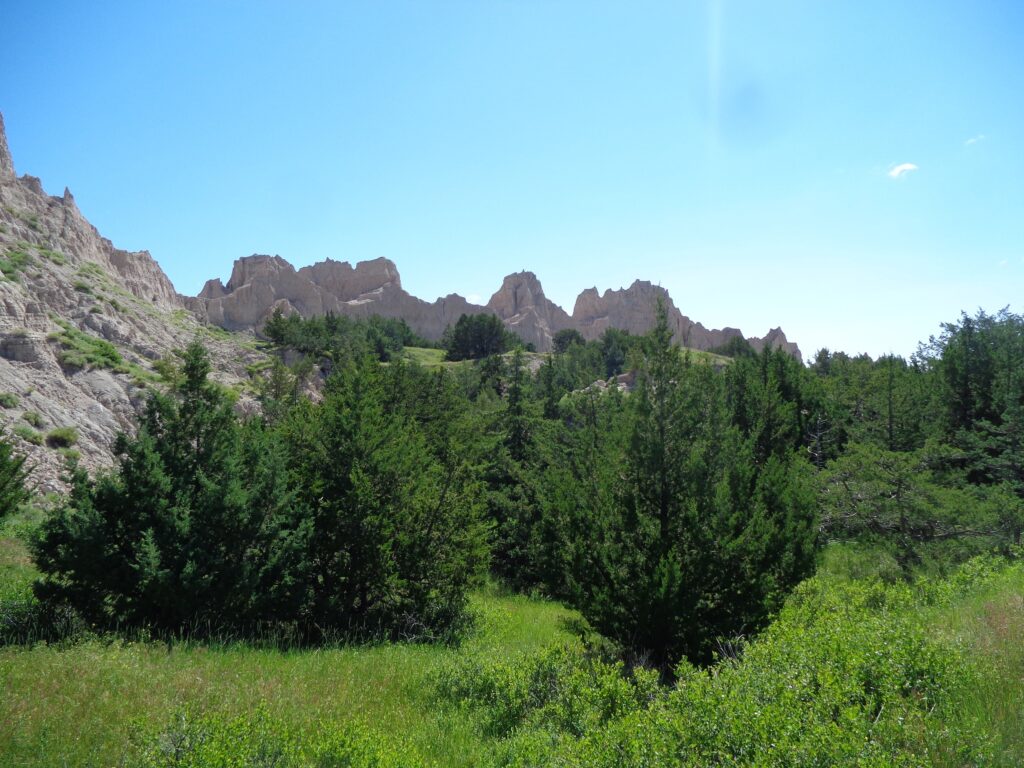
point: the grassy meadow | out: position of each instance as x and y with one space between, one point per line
110 702
96 702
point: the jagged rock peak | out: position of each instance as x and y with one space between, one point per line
518 291
6 162
248 268
348 282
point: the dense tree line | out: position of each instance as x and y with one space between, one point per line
339 518
924 456
342 338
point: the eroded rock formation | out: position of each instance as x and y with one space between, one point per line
261 284
63 286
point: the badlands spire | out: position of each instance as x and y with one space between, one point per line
6 163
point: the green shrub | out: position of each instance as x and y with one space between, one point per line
91 269
849 673
33 418
69 454
53 256
82 350
560 689
62 437
845 676
9 400
82 287
13 263
28 435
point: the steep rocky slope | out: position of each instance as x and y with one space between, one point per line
81 323
261 284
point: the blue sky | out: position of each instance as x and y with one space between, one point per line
852 172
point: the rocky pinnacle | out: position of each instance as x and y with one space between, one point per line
6 163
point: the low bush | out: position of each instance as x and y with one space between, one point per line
14 263
28 434
56 257
560 689
62 437
849 673
33 418
82 350
9 400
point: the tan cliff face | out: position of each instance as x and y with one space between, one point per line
261 284
64 285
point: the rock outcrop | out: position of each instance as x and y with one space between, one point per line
633 309
64 290
6 161
522 305
261 284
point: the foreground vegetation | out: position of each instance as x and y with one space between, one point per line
766 563
854 671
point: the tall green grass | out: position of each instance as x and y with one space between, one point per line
860 668
989 625
101 701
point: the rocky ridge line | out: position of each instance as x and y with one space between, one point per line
261 284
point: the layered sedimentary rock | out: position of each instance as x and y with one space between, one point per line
522 305
261 284
62 286
633 309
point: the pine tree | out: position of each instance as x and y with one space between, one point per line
13 474
196 530
715 515
397 537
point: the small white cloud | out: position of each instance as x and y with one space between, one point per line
1004 262
474 298
974 140
899 171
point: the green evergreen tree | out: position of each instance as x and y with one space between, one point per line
397 537
195 531
566 338
715 519
13 473
477 336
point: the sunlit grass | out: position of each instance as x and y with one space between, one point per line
95 702
991 624
425 356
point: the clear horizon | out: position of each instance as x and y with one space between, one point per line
853 175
